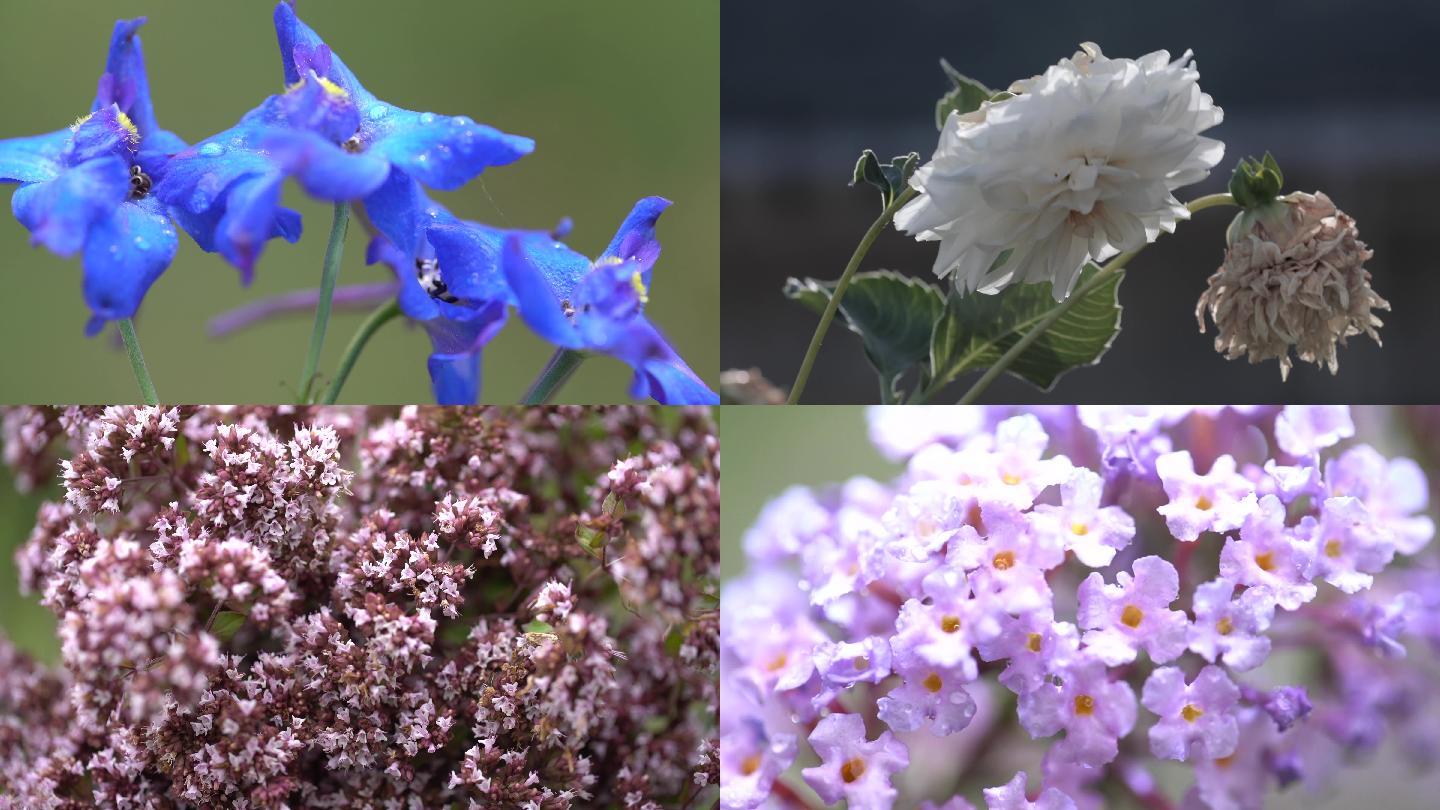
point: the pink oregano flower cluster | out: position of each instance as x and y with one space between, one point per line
1081 593
346 607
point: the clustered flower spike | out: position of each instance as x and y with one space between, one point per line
323 607
1075 165
111 185
888 625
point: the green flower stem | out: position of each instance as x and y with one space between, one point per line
555 374
380 316
137 362
828 315
328 274
1112 267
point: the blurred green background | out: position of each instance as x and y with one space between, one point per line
767 449
622 99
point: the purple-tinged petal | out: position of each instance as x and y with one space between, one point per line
301 47
636 241
400 210
124 82
324 170
536 277
469 256
59 212
249 221
444 152
455 378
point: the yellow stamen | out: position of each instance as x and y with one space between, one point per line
80 122
1265 561
1224 762
1131 616
1191 712
1332 549
1203 504
1004 561
750 765
1079 529
778 663
1032 642
1225 627
637 282
1084 705
331 89
129 127
852 769
860 662
1011 479
950 623
933 682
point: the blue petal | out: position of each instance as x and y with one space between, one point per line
325 170
455 378
542 277
294 35
125 83
251 208
60 212
413 300
124 254
99 135
462 329
660 373
440 151
469 256
33 159
395 208
636 241
197 177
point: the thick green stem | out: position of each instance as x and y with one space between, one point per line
828 315
328 274
137 362
377 318
1112 267
555 374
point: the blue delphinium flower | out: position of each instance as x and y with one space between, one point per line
440 151
86 189
598 306
455 289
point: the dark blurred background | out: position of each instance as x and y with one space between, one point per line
622 99
1342 91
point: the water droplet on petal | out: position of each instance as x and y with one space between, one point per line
460 121
427 118
141 243
378 111
212 150
199 200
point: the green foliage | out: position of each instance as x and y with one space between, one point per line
976 330
966 96
890 178
1256 183
227 623
892 314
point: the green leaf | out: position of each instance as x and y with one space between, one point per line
538 627
892 314
965 97
1256 183
227 624
890 178
977 329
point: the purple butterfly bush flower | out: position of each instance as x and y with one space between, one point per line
852 768
1133 613
1093 710
1091 531
1011 796
1197 720
1230 628
750 761
1218 501
964 556
1271 555
87 189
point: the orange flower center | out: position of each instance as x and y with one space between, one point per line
1191 712
1032 642
852 769
1203 504
1084 705
1131 616
1004 561
750 765
1332 549
950 623
1079 529
1010 479
933 682
777 663
860 662
1265 560
1224 627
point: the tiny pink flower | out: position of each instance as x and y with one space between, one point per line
1348 545
1034 645
750 761
1218 501
1197 721
1231 630
942 630
852 768
1011 796
1094 533
1269 554
1094 711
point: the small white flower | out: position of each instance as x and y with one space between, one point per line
1079 165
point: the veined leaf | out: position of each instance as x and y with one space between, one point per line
965 97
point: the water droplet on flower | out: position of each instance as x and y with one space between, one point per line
141 243
427 118
424 156
378 111
212 150
460 121
114 250
199 200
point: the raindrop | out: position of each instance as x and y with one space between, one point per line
460 121
378 111
427 118
141 243
212 150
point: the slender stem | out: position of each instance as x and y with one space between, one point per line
137 362
828 315
329 272
378 318
1112 267
555 374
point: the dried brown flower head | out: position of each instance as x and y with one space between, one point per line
1293 277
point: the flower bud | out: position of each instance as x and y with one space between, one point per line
1293 277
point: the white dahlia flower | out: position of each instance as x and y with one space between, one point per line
1079 165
